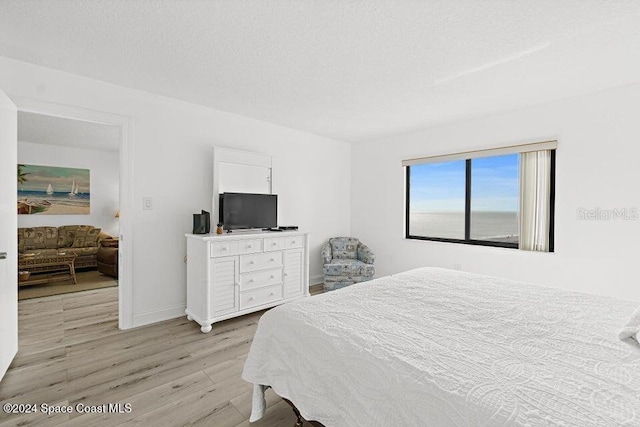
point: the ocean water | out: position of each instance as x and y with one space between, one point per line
57 198
491 226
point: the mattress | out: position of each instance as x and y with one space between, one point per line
435 347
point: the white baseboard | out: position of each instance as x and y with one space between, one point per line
316 280
150 317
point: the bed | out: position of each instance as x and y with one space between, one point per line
445 348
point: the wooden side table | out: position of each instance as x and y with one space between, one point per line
32 264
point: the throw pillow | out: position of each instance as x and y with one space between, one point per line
86 237
66 235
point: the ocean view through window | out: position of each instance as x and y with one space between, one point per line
438 200
496 197
439 208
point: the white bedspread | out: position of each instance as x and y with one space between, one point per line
434 347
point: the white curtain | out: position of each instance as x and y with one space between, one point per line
535 175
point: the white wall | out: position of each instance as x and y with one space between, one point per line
172 163
597 167
104 167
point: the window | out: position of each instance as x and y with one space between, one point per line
475 198
437 200
494 199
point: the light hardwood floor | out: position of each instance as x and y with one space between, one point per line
71 351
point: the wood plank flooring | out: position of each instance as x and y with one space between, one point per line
71 351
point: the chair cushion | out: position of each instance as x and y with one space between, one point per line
336 282
109 243
86 237
344 247
108 255
37 238
348 267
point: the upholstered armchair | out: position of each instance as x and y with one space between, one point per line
346 261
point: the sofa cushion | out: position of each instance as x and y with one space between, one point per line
344 247
66 235
40 252
81 251
37 238
348 267
86 236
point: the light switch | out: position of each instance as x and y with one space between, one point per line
147 203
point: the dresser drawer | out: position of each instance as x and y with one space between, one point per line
259 279
250 246
273 243
260 296
294 242
261 261
223 249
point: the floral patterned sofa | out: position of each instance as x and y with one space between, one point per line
346 261
81 240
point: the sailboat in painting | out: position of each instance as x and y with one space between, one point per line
50 190
74 189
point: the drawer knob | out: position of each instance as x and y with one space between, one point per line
286 274
250 298
249 246
271 294
293 242
224 248
272 259
251 281
273 277
252 262
274 244
237 284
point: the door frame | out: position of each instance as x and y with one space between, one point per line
125 123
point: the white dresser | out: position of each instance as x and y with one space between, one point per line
232 274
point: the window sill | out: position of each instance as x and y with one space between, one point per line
466 242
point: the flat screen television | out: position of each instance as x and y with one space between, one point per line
245 210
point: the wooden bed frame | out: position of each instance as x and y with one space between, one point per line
299 422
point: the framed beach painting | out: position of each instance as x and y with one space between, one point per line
50 190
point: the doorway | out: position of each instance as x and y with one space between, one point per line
72 133
68 205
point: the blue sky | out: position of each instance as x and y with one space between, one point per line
61 179
440 187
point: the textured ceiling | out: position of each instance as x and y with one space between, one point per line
350 70
50 130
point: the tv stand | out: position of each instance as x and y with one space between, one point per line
229 275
